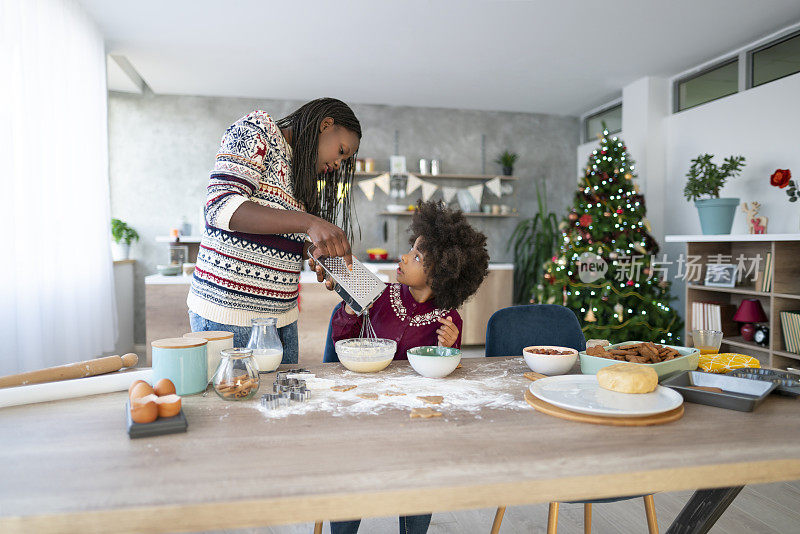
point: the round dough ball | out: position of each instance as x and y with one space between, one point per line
628 378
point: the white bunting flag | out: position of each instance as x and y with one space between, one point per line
382 181
368 187
413 184
494 186
476 192
428 189
449 193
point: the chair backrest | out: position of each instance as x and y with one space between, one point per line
510 330
329 356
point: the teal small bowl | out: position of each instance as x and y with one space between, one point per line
434 362
688 361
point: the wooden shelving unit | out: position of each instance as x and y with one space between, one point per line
784 294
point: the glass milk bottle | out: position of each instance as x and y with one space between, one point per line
265 344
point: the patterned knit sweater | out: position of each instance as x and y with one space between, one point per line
240 276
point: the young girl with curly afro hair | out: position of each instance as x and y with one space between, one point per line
445 266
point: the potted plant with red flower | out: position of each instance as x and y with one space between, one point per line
705 178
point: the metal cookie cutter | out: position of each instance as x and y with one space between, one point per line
271 402
299 394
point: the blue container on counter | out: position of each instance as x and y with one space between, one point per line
183 361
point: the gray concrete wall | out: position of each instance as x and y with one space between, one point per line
162 147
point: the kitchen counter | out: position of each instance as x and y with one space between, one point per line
74 469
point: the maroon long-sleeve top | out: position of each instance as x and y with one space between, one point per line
396 315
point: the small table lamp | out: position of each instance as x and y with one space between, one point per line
749 312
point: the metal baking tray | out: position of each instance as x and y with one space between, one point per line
740 394
788 383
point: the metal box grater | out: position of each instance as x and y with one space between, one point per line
358 288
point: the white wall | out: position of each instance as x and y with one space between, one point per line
762 124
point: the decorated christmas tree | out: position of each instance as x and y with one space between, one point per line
606 269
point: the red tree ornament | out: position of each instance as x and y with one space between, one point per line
586 219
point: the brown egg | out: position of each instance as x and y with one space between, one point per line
133 385
144 410
165 387
141 390
169 405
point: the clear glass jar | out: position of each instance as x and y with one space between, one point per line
236 377
265 344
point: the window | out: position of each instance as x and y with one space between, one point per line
775 60
593 124
710 84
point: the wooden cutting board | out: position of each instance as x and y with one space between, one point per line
648 420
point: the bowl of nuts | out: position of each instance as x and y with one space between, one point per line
550 360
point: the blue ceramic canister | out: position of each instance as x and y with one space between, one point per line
183 361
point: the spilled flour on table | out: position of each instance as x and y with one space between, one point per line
488 385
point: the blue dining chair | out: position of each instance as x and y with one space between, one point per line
510 330
329 355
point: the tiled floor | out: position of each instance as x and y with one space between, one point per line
760 509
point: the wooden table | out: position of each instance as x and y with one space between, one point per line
69 466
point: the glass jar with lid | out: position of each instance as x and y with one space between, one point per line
236 377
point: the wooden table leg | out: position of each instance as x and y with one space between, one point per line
587 518
701 511
498 518
318 528
552 518
650 512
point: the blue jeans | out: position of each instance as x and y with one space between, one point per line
412 524
241 335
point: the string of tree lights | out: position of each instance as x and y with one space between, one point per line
630 302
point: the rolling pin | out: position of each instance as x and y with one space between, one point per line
98 366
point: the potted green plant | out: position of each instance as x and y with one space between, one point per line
705 179
534 241
123 236
507 160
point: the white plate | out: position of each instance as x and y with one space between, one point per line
582 394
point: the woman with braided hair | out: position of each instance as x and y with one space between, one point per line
276 187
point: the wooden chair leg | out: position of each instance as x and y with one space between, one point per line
498 518
552 518
318 528
587 518
650 511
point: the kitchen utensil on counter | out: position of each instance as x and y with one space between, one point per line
184 361
265 344
377 253
540 361
237 376
688 361
734 393
168 270
98 366
217 341
69 389
159 427
583 394
434 362
358 288
707 341
788 383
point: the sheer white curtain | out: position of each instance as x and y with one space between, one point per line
56 272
